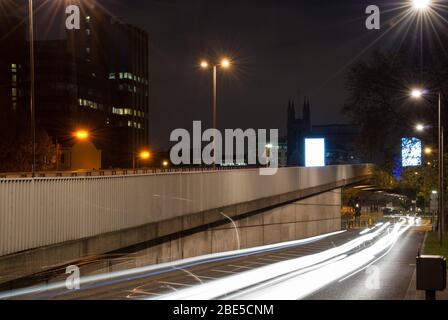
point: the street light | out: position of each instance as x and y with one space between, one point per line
428 150
225 64
419 127
421 4
418 94
145 155
82 135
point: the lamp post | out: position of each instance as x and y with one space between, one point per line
417 94
32 79
225 63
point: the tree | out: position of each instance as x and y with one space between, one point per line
379 102
16 148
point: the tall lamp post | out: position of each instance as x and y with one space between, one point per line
32 79
418 94
225 63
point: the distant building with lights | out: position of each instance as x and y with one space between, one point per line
95 78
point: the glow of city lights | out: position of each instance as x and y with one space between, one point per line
165 163
204 64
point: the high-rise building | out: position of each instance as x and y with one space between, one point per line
96 79
129 79
13 74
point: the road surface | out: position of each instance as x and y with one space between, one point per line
304 269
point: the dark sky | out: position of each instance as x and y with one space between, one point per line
281 50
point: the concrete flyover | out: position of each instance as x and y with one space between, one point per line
51 221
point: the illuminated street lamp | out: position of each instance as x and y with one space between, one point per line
419 127
418 94
225 64
428 151
165 164
421 5
145 155
82 135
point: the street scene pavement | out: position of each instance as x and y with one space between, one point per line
271 272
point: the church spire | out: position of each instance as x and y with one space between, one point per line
291 111
306 113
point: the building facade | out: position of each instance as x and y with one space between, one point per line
96 79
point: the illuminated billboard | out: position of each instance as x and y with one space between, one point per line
411 152
314 152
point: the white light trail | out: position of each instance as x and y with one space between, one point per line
304 275
169 265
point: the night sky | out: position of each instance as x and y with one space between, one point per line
281 50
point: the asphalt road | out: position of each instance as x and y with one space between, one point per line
280 270
155 283
390 278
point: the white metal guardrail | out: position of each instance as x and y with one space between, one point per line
43 211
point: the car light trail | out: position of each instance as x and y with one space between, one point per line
147 271
305 275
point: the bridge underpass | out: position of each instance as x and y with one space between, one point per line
162 217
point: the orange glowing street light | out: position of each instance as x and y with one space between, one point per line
82 135
145 155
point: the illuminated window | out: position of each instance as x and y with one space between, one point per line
14 92
88 32
112 75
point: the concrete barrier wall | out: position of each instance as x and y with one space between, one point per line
45 211
306 218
